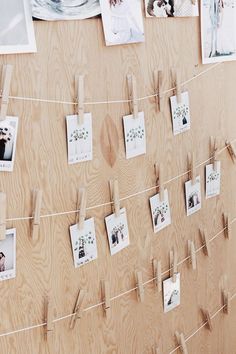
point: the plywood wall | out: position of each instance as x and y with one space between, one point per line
46 266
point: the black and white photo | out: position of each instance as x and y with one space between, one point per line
171 293
8 136
8 255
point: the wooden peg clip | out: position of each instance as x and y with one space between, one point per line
158 86
226 301
78 309
191 167
177 84
48 318
114 191
37 201
231 149
157 274
205 242
132 89
3 207
140 287
213 150
81 206
181 342
159 175
79 83
5 89
173 265
192 254
227 226
207 318
106 298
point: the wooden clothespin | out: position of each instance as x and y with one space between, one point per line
173 265
231 149
78 309
5 89
106 298
177 84
181 342
79 84
158 87
155 350
37 204
159 175
191 167
3 208
192 254
207 318
227 225
81 206
157 274
213 150
140 287
114 191
205 242
226 301
48 318
132 89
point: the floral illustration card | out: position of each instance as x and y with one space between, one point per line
135 135
160 211
171 293
8 135
180 113
84 245
117 231
213 178
79 139
193 196
8 255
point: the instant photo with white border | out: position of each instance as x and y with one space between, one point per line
134 135
171 293
160 211
213 177
180 113
8 137
170 8
193 196
8 255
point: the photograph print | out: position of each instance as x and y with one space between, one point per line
16 27
122 21
117 231
54 10
8 255
8 135
171 8
84 245
193 196
180 113
171 293
135 135
218 30
213 177
160 211
79 139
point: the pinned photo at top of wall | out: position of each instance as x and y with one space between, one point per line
122 21
171 8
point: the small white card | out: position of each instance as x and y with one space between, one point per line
8 136
135 135
84 245
117 231
193 196
213 180
180 113
171 293
8 255
160 211
79 139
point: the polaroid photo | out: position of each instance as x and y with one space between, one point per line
16 27
117 231
160 211
84 245
122 21
170 8
135 135
218 30
213 178
171 293
8 255
52 10
193 196
79 139
180 113
8 136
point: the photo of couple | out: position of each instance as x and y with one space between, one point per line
171 8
